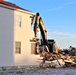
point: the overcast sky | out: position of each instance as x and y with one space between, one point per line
59 17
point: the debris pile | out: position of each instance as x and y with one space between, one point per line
57 60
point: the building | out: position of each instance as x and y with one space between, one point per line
15 36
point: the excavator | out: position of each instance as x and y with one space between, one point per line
50 49
49 43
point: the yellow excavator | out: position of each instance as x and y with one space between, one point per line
50 43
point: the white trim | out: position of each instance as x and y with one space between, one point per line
12 8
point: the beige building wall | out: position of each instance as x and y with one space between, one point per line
24 34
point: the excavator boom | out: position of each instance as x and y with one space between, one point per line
44 42
39 24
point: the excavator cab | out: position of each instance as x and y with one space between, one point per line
50 44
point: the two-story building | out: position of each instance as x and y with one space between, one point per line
15 35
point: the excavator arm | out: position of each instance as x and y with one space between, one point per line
39 24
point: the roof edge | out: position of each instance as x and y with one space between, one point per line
17 9
13 6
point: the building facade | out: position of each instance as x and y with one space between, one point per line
15 35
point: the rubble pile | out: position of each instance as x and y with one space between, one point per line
57 60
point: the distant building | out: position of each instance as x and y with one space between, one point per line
15 35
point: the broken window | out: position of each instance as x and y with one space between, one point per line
35 48
33 45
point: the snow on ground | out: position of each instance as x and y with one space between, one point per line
48 71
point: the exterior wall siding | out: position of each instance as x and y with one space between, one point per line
6 37
10 33
23 34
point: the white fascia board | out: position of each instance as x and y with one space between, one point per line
7 7
15 9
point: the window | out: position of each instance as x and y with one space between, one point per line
33 48
18 20
18 47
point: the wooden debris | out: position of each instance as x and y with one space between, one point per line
67 59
